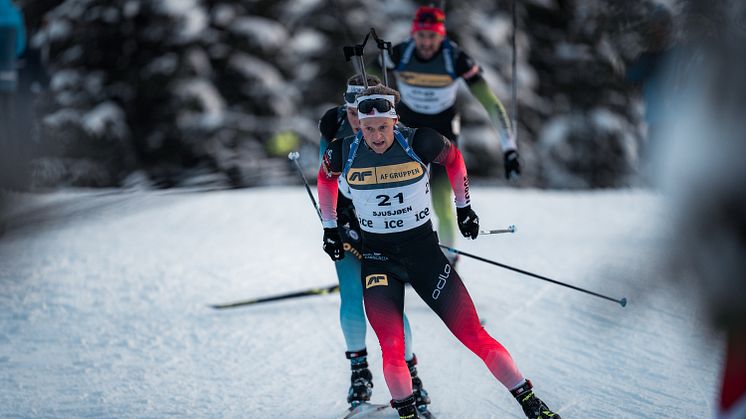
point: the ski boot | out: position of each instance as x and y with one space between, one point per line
406 408
420 394
532 406
361 380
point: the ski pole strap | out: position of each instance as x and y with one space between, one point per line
407 149
399 138
448 58
351 154
406 56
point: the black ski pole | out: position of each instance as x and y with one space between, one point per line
622 302
383 46
304 293
294 155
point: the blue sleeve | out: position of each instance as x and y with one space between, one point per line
11 15
21 37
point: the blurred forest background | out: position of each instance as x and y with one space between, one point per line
164 93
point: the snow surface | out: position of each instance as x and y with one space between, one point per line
104 310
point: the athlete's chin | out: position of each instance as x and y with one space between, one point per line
426 54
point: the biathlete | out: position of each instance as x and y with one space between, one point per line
385 168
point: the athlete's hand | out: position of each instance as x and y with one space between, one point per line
511 164
468 222
333 244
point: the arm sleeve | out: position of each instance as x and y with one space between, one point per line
496 112
326 182
432 147
468 69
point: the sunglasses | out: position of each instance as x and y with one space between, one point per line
379 104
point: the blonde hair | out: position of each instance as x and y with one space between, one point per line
357 80
381 90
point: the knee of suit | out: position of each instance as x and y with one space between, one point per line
392 349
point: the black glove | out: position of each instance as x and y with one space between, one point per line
468 222
333 244
511 164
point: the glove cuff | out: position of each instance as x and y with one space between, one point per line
463 210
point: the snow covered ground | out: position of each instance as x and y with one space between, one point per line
104 310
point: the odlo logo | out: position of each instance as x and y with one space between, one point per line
376 280
442 279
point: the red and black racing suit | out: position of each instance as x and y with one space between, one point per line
408 254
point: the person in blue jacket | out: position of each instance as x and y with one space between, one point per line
12 44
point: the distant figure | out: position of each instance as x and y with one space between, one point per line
702 168
12 45
428 67
647 71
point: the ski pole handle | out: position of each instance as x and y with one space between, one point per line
510 229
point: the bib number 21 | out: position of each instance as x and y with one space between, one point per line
384 200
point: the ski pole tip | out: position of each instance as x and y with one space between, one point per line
623 302
511 228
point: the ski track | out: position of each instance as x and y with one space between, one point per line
104 310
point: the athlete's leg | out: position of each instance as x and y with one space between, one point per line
441 288
384 304
351 313
408 354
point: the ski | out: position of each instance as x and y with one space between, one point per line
426 415
305 293
363 410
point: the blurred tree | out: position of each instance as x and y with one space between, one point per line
184 88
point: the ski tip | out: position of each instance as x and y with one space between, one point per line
623 302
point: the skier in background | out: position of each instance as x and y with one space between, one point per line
385 168
339 122
427 68
701 169
12 45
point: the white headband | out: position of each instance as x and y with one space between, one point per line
351 88
391 113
